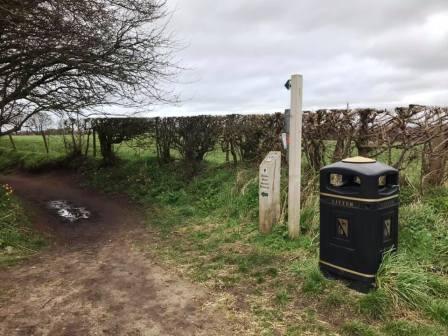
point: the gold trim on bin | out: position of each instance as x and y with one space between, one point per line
366 200
347 270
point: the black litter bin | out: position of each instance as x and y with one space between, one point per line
358 217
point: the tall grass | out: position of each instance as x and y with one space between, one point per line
17 239
416 277
410 283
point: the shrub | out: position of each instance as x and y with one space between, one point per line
116 130
164 136
251 137
195 136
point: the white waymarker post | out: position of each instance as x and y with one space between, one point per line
295 155
269 191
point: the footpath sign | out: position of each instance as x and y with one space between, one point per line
269 191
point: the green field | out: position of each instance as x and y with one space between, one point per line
33 145
207 227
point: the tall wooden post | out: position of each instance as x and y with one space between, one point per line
94 142
13 144
295 156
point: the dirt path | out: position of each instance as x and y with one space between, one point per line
92 281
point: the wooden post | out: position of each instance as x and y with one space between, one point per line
295 156
94 142
269 191
13 144
86 153
42 133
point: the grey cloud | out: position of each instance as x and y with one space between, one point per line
239 53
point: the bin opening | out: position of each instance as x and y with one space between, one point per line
387 181
342 228
387 230
344 181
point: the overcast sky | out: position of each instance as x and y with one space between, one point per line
239 53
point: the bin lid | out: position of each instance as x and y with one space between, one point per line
359 159
359 165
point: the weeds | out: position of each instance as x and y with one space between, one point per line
16 238
313 280
356 328
407 328
438 309
375 304
409 284
335 299
282 297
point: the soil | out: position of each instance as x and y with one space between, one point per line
92 280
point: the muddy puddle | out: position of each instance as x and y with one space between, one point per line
68 211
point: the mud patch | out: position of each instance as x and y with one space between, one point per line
98 278
68 211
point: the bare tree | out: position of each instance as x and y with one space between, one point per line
38 124
72 55
75 129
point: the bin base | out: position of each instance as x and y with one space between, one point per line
362 285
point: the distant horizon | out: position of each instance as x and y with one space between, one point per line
167 111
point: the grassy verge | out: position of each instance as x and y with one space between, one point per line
207 228
30 161
17 240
